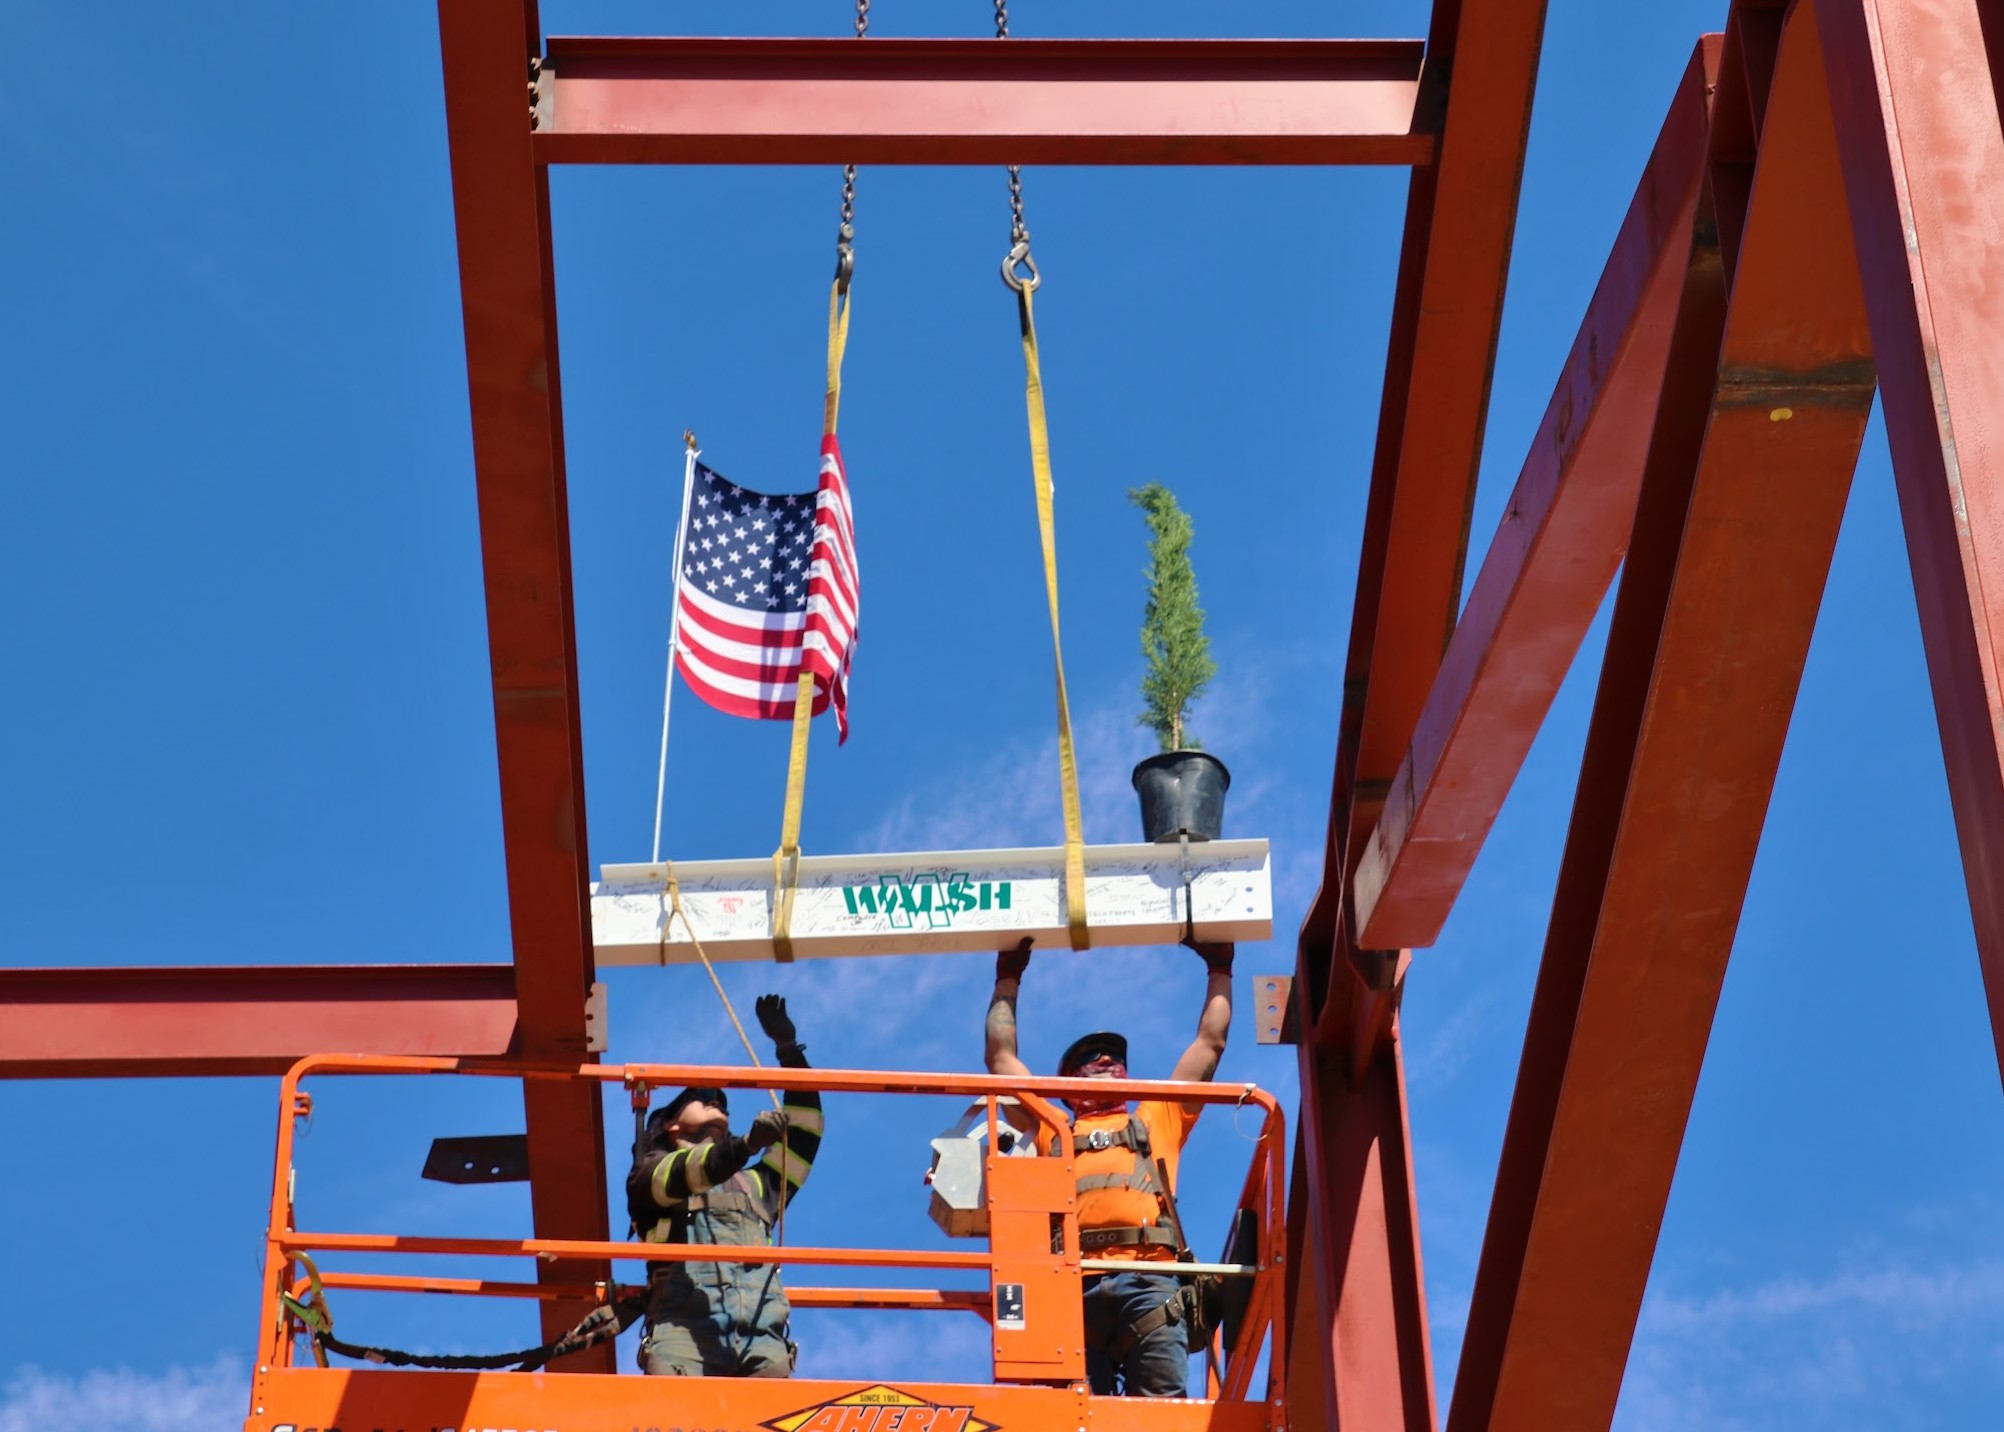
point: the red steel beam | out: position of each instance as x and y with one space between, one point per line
1924 168
910 101
501 203
1681 762
1461 212
1554 554
244 1019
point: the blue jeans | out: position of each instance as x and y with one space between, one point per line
1158 1364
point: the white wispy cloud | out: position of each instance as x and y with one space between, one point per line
181 1399
1441 1051
1846 1350
884 1347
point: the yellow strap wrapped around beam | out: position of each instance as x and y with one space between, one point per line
1068 766
786 859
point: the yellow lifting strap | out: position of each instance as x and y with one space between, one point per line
1068 765
786 859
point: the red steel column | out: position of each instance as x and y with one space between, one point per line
1363 1218
502 203
1917 115
1460 216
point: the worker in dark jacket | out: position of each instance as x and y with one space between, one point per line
694 1181
1136 1330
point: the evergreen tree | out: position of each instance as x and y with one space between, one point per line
1172 624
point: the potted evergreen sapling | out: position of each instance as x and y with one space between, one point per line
1182 790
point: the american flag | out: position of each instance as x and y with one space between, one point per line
768 587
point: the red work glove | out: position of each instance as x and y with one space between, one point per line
1010 964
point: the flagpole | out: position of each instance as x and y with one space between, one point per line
674 632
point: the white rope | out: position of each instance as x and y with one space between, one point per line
674 634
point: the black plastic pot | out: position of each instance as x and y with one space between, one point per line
1182 793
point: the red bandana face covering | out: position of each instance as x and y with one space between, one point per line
1101 1066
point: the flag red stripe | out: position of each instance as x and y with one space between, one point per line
748 663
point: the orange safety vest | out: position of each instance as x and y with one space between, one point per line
1123 1206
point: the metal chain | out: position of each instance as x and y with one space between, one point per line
845 234
1019 270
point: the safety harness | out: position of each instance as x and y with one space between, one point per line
1195 1303
1142 1177
671 1228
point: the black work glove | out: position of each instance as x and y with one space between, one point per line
1217 955
767 1129
1010 964
772 1018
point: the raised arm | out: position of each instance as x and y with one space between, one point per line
1214 1025
789 1161
1001 1025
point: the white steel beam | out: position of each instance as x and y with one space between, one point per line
934 902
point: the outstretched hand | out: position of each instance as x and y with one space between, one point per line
767 1129
1216 954
771 1011
1010 964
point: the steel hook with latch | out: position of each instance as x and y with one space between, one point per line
1019 255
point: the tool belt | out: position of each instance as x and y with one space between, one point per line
1093 1240
1198 1304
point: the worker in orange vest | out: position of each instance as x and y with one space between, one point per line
1137 1324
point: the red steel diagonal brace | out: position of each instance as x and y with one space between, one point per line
1725 574
1914 88
1554 553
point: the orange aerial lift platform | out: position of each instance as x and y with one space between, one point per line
1033 1302
1820 221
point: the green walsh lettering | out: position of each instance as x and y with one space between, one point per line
930 903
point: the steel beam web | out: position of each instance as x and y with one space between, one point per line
929 101
244 1019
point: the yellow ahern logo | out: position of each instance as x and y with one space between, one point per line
881 1409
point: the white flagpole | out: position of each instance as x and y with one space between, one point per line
674 632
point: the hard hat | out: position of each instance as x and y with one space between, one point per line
687 1097
1082 1049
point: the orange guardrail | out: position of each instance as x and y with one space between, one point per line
1038 1372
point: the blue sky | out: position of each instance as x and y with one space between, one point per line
252 720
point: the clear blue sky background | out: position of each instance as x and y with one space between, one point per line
249 718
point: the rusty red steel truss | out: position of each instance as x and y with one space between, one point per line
1792 249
